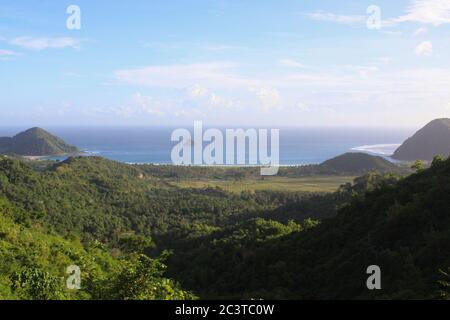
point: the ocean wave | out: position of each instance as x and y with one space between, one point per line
381 149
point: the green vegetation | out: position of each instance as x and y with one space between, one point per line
349 164
326 177
359 163
315 183
401 226
33 265
35 142
140 232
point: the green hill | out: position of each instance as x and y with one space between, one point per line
40 236
107 211
33 264
359 163
115 221
403 227
428 142
35 142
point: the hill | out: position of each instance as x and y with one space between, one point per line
111 213
359 163
33 264
35 142
425 144
119 220
402 227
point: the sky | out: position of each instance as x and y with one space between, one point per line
234 62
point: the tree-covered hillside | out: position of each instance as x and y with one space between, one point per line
403 227
102 199
359 163
122 225
34 262
35 142
116 211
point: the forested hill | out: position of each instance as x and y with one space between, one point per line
35 142
33 265
402 227
111 219
115 221
359 163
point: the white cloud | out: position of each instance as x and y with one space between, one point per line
302 107
7 53
221 76
269 97
211 74
187 103
46 43
342 19
364 72
353 91
148 104
435 12
424 49
420 31
216 100
291 63
206 99
197 91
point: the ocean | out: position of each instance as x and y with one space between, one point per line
298 146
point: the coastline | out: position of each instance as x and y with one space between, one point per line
62 157
49 157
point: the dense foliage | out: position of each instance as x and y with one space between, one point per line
403 227
33 265
107 213
131 231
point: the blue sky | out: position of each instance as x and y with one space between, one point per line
234 62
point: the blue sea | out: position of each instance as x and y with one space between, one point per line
298 146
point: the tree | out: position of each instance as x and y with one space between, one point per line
141 278
35 284
418 165
437 160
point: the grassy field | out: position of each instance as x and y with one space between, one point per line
304 184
